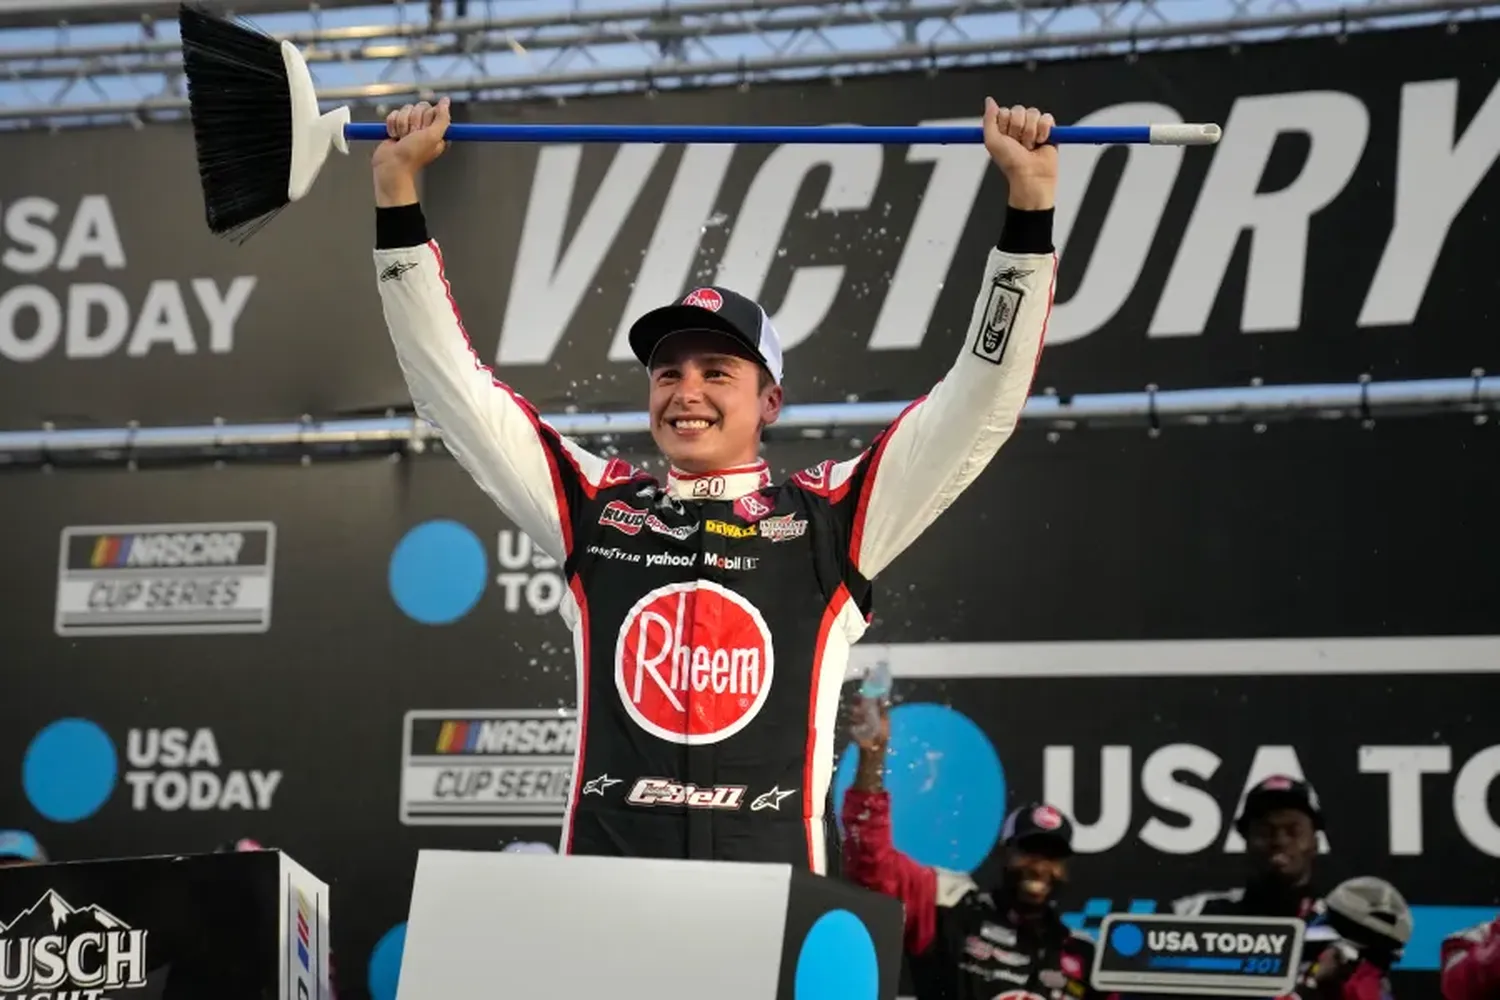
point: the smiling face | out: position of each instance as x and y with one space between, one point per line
1281 845
710 397
1035 869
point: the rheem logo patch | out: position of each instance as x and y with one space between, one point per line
694 663
705 298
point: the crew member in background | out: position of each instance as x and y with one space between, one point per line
1342 958
964 943
1371 924
17 847
1471 963
1280 822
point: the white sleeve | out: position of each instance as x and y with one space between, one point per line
535 475
918 466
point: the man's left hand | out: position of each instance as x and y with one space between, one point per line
1016 138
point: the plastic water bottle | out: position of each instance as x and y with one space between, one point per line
874 689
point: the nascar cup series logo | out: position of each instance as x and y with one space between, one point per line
165 579
694 663
488 767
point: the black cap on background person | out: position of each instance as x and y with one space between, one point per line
1280 791
1037 841
1040 826
17 847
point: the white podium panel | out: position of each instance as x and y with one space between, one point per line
555 927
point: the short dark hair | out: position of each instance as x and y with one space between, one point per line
764 380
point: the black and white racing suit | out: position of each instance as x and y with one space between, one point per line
712 615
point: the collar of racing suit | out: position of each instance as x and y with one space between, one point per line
725 484
1264 897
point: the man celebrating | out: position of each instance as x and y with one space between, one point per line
712 613
964 942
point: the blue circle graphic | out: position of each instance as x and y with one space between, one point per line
69 770
946 782
438 572
1126 939
837 961
385 964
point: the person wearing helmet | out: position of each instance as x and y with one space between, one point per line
1471 963
1280 821
1371 924
964 942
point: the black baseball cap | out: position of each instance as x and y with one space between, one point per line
1280 791
717 310
1038 822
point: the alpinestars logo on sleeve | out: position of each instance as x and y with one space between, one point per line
397 269
83 952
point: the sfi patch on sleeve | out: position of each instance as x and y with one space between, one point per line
1005 300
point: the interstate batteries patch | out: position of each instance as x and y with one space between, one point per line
165 579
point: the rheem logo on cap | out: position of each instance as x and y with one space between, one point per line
1046 818
705 298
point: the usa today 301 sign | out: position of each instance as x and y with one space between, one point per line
1225 956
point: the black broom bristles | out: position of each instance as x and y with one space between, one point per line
241 108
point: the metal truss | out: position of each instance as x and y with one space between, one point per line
57 77
1255 406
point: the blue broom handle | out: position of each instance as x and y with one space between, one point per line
1173 134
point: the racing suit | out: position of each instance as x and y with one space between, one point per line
961 943
1471 963
712 615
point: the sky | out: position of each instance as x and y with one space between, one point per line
523 59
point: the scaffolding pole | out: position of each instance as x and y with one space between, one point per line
1152 410
637 23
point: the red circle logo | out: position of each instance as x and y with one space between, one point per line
693 663
705 298
1046 817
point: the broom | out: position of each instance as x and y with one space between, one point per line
261 139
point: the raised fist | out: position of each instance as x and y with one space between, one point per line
416 137
1016 138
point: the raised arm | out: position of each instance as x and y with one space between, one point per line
872 860
915 468
534 475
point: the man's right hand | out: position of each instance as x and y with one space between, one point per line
416 139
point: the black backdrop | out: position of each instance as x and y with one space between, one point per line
1344 127
1317 531
1342 137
